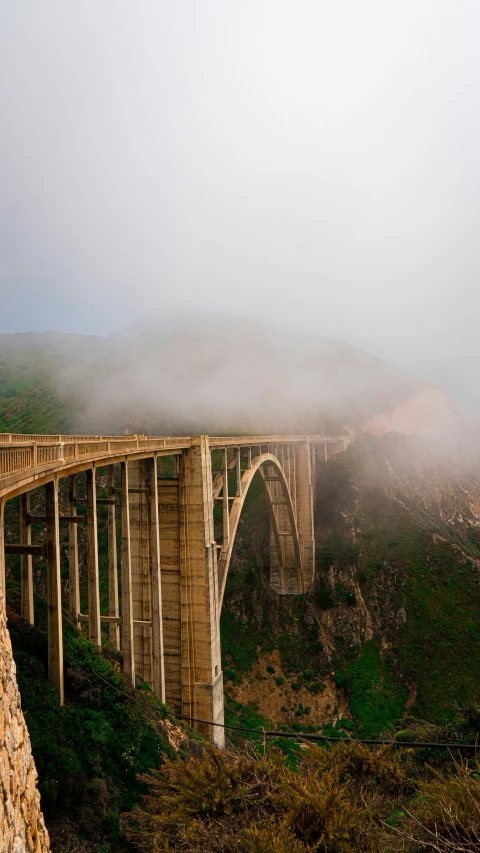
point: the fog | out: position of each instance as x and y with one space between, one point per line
313 165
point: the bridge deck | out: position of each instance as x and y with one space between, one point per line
29 459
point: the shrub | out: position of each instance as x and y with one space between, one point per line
334 802
446 814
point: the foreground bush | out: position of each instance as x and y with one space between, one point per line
445 816
333 803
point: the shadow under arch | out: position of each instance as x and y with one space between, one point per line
287 576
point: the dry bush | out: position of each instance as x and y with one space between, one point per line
248 804
445 816
206 803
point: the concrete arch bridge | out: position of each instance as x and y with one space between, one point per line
173 559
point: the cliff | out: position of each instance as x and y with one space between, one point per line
22 828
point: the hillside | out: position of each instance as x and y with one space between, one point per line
391 627
203 375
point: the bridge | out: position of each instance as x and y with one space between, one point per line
176 547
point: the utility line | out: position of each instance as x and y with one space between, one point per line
298 735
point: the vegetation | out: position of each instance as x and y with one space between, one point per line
89 753
346 799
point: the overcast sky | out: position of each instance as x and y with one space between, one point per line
312 163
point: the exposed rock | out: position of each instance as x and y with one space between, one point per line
22 829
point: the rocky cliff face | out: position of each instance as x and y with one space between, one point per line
22 829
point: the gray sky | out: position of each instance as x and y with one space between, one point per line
316 164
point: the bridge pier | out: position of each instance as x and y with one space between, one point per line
73 570
303 489
54 591
145 568
94 626
26 572
127 603
113 609
169 526
202 677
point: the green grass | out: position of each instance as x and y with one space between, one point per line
376 699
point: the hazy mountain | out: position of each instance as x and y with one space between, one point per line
198 374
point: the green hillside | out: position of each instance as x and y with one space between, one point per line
34 391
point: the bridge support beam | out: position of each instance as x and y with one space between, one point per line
304 510
54 591
169 525
26 560
158 658
146 581
114 628
73 572
202 677
140 557
127 606
94 627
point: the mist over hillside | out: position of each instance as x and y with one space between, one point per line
200 374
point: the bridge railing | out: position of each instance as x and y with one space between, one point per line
20 452
27 454
22 438
245 440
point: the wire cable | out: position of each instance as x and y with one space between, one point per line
299 735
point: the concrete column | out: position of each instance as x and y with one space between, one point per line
113 609
226 503
158 662
313 463
74 575
304 511
127 605
202 678
26 560
2 549
169 526
54 591
238 469
139 501
94 629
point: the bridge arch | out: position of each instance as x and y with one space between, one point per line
287 575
